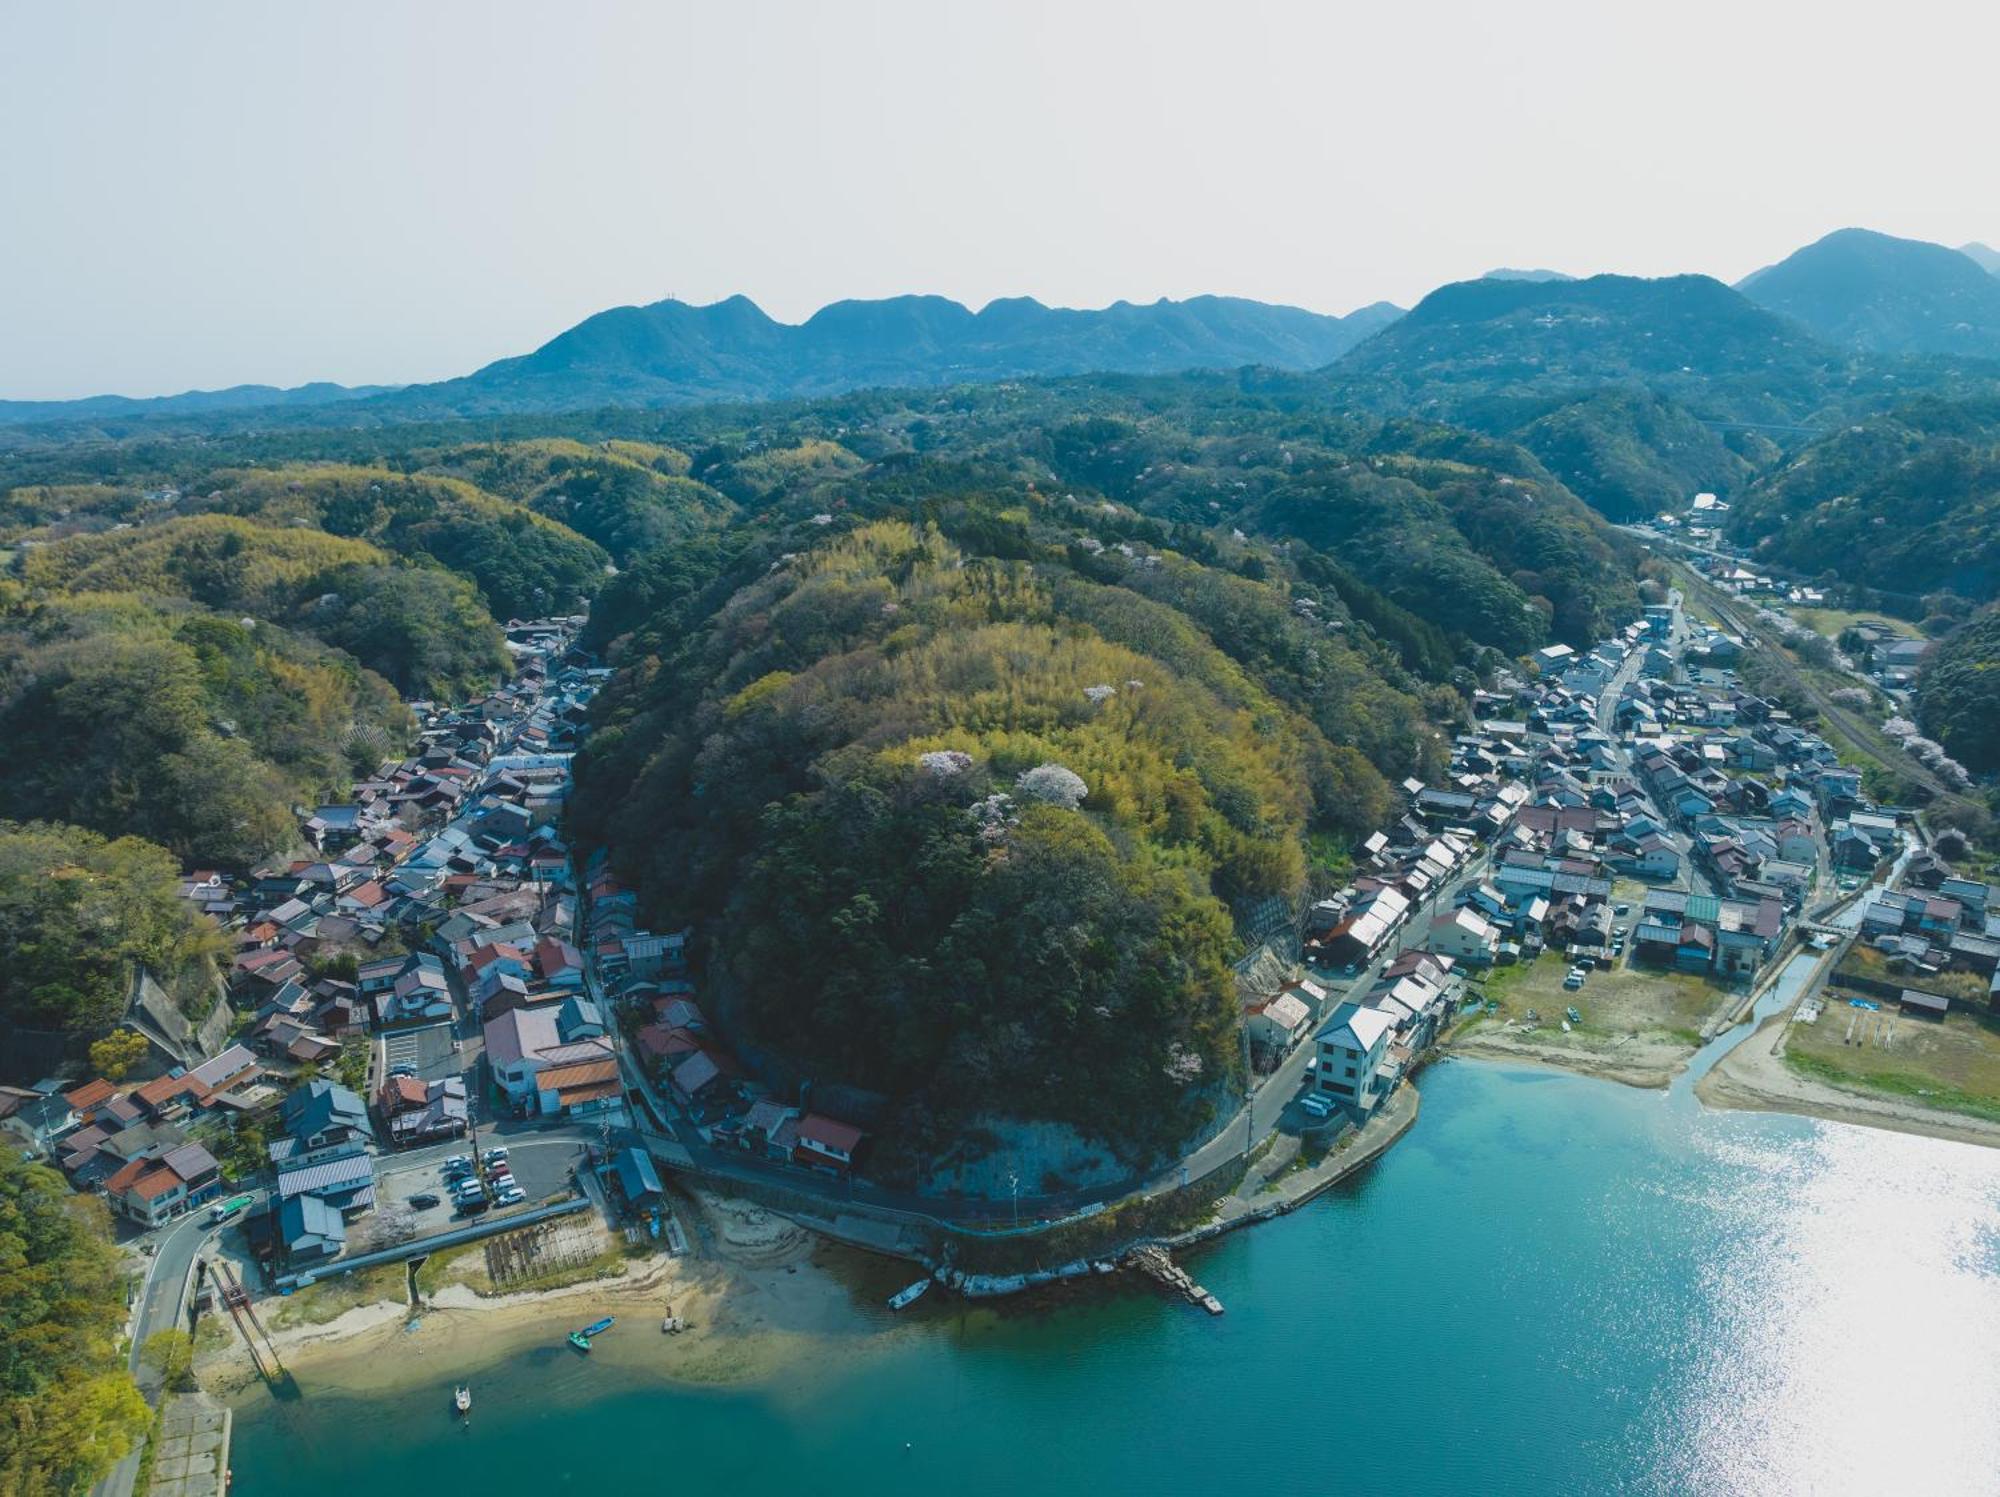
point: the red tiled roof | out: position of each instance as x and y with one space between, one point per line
164 1088
92 1093
840 1137
155 1183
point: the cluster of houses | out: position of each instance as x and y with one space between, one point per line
1889 657
444 872
1939 923
682 1056
1629 760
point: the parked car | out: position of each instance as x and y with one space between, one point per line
473 1206
1317 1107
459 1162
424 1200
1621 909
1572 982
513 1195
497 1155
1584 963
403 1070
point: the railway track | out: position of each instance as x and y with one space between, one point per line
1864 735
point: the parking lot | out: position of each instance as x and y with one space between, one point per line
427 1052
540 1166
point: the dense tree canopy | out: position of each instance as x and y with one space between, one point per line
846 756
77 912
1958 695
68 1408
193 730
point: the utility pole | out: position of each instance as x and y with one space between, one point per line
1014 1183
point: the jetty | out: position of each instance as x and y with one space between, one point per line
1157 1264
236 1299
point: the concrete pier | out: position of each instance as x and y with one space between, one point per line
193 1457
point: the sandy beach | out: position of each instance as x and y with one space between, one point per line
758 1292
1754 1077
1638 1061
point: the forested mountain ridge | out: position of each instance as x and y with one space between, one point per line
1004 780
671 353
1906 501
187 664
1958 694
1865 290
1219 622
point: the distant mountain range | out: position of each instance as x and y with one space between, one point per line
192 403
1799 326
671 353
1887 295
1987 259
1498 336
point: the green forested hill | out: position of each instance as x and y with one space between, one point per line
159 719
1874 291
1907 501
68 1408
1635 393
1958 695
524 564
1005 788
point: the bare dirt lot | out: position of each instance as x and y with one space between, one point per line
1639 1025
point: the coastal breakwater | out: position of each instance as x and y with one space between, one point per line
1101 1241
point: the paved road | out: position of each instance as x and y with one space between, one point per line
159 1307
1607 706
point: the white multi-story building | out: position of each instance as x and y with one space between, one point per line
1353 1069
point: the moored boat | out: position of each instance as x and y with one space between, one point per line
462 1399
903 1298
581 1339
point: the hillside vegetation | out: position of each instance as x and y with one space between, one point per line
1006 805
68 1408
524 564
1906 502
1958 695
1874 291
195 730
77 911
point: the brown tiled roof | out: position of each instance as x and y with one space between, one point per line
91 1094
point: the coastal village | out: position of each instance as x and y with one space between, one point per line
439 1029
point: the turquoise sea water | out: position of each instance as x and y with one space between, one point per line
1550 1285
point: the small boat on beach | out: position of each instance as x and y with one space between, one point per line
902 1299
581 1339
462 1399
1574 1016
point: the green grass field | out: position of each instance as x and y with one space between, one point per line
1953 1066
1831 621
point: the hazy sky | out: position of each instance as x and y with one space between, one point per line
195 195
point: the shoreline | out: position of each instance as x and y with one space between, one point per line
1652 1067
765 1295
1753 1077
